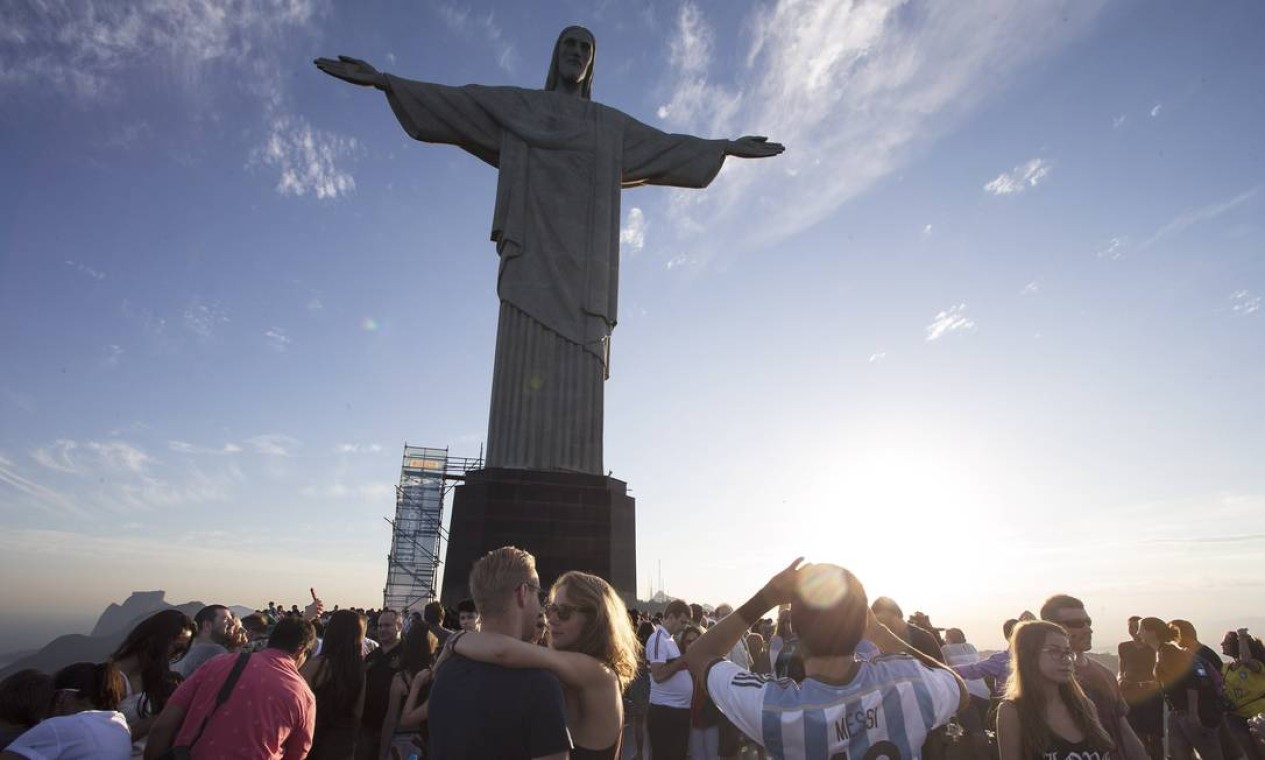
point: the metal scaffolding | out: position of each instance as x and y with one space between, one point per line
417 531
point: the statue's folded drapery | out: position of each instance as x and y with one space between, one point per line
562 162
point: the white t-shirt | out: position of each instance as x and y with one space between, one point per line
677 690
92 735
885 711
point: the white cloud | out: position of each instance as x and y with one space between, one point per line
92 457
1114 249
184 447
307 158
852 89
277 338
1030 288
86 270
952 320
340 490
1244 303
633 234
1119 121
1156 110
94 48
203 318
926 230
358 448
466 22
113 355
1187 219
875 358
273 444
1020 178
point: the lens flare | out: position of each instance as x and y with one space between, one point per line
822 586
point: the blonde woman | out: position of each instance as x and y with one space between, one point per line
593 651
1045 713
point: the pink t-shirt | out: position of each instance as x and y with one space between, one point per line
271 713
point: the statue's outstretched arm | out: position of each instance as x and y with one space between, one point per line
753 146
352 70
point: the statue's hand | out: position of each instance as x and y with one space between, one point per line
352 70
753 146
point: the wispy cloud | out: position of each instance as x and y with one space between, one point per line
852 89
927 230
93 48
306 158
73 457
1031 288
341 490
184 447
1119 121
952 320
277 338
1189 218
632 236
203 318
40 494
1114 249
877 357
1019 179
86 270
1244 303
1155 111
273 444
358 448
466 21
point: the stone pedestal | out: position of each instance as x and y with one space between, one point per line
569 521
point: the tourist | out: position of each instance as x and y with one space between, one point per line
478 710
1245 689
144 658
1194 714
1045 713
704 717
974 719
889 614
637 694
215 626
381 665
269 712
593 653
24 700
1095 679
782 645
404 734
1141 691
671 690
844 707
84 722
433 617
337 679
467 615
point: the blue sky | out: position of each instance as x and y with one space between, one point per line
991 327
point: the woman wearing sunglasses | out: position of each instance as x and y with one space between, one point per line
1045 713
593 651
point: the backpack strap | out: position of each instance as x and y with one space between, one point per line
225 690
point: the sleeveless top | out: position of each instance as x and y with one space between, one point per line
610 753
1062 749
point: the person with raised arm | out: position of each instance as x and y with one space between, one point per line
845 707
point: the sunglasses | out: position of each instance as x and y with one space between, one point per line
564 611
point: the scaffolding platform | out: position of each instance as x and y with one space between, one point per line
427 475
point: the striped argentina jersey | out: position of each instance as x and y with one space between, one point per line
884 712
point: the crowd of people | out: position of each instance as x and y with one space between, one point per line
809 667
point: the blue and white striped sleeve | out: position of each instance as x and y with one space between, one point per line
740 696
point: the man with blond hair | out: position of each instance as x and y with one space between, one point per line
479 710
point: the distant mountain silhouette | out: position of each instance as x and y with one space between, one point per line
115 622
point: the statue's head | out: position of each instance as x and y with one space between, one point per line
573 57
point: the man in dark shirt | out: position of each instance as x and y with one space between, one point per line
481 711
380 667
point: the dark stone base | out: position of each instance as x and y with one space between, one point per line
569 521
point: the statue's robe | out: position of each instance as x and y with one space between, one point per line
562 162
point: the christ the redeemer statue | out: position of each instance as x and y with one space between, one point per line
563 160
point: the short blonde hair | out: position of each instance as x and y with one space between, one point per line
496 576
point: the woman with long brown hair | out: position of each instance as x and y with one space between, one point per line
593 651
1045 713
145 659
337 678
